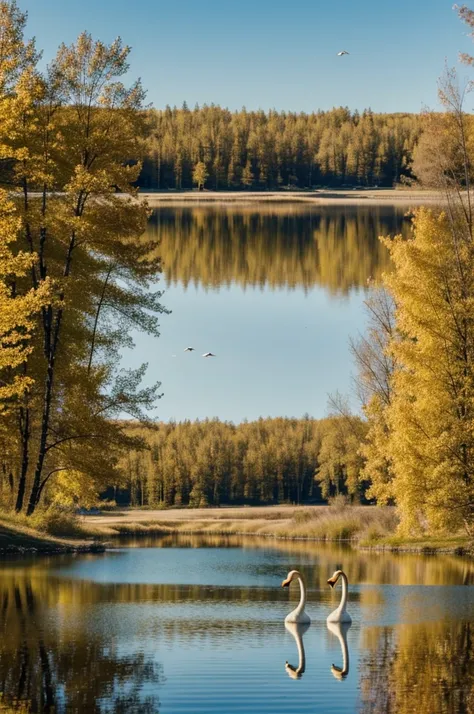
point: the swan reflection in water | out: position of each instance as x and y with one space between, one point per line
297 629
340 629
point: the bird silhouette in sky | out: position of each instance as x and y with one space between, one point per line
208 354
342 52
189 349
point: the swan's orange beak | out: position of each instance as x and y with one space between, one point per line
332 582
286 583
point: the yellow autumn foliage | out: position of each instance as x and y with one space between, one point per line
16 310
432 408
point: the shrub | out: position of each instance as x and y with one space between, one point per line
56 522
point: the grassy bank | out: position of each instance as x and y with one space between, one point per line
367 526
456 544
18 538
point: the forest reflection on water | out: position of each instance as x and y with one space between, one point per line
83 635
335 247
275 291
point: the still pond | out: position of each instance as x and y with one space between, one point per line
182 625
196 625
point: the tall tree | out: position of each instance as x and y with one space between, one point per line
430 415
200 174
375 365
71 141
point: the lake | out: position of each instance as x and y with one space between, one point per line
196 625
275 291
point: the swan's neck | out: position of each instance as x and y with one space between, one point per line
302 601
342 605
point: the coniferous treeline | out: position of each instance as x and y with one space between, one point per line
214 148
266 461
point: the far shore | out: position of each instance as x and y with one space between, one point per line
362 527
308 523
319 197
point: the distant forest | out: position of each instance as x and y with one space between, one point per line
214 148
211 462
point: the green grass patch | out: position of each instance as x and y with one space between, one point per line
428 544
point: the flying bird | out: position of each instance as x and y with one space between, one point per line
342 52
189 349
208 354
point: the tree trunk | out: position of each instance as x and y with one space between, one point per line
52 340
25 437
35 490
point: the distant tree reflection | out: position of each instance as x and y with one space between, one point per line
334 247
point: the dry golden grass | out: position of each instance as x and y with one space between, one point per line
368 526
320 197
18 535
338 522
47 521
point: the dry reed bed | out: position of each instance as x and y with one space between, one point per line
321 197
366 523
368 526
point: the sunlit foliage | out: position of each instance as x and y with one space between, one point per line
375 368
415 365
71 265
430 414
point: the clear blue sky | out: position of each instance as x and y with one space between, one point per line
271 53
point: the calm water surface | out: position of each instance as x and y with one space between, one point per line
195 625
274 291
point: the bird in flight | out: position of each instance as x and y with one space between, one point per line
189 349
342 52
208 354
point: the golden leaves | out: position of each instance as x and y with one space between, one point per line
431 414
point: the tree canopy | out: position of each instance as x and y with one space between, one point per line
71 264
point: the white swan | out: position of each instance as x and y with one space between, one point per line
340 629
297 630
298 614
340 614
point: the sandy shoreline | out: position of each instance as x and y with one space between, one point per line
409 197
